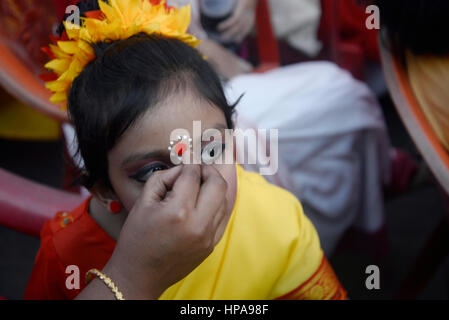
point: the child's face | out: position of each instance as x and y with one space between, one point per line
143 148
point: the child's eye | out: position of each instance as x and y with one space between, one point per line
145 173
212 152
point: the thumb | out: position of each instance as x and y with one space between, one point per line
159 184
227 23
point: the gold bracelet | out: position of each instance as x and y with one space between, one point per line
107 281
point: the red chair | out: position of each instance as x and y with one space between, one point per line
26 205
267 43
24 28
436 156
22 83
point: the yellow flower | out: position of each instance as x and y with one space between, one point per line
122 19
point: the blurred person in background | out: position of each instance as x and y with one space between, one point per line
24 26
334 152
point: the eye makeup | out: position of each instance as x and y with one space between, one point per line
143 174
140 167
209 154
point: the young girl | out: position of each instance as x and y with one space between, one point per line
131 77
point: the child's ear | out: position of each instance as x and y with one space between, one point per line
103 193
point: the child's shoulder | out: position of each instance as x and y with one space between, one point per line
255 187
271 234
274 210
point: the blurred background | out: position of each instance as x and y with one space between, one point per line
406 186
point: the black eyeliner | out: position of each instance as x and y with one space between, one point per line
146 169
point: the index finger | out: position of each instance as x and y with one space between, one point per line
157 186
186 187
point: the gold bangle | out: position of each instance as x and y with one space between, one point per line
107 281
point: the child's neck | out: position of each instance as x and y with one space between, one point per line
111 223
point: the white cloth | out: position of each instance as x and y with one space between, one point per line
333 144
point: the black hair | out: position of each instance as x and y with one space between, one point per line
420 26
126 79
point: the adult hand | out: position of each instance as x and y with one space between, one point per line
171 229
224 62
240 23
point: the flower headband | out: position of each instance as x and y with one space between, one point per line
116 20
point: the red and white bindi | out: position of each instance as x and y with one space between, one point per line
180 146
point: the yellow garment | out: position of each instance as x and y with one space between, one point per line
20 122
269 249
429 78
